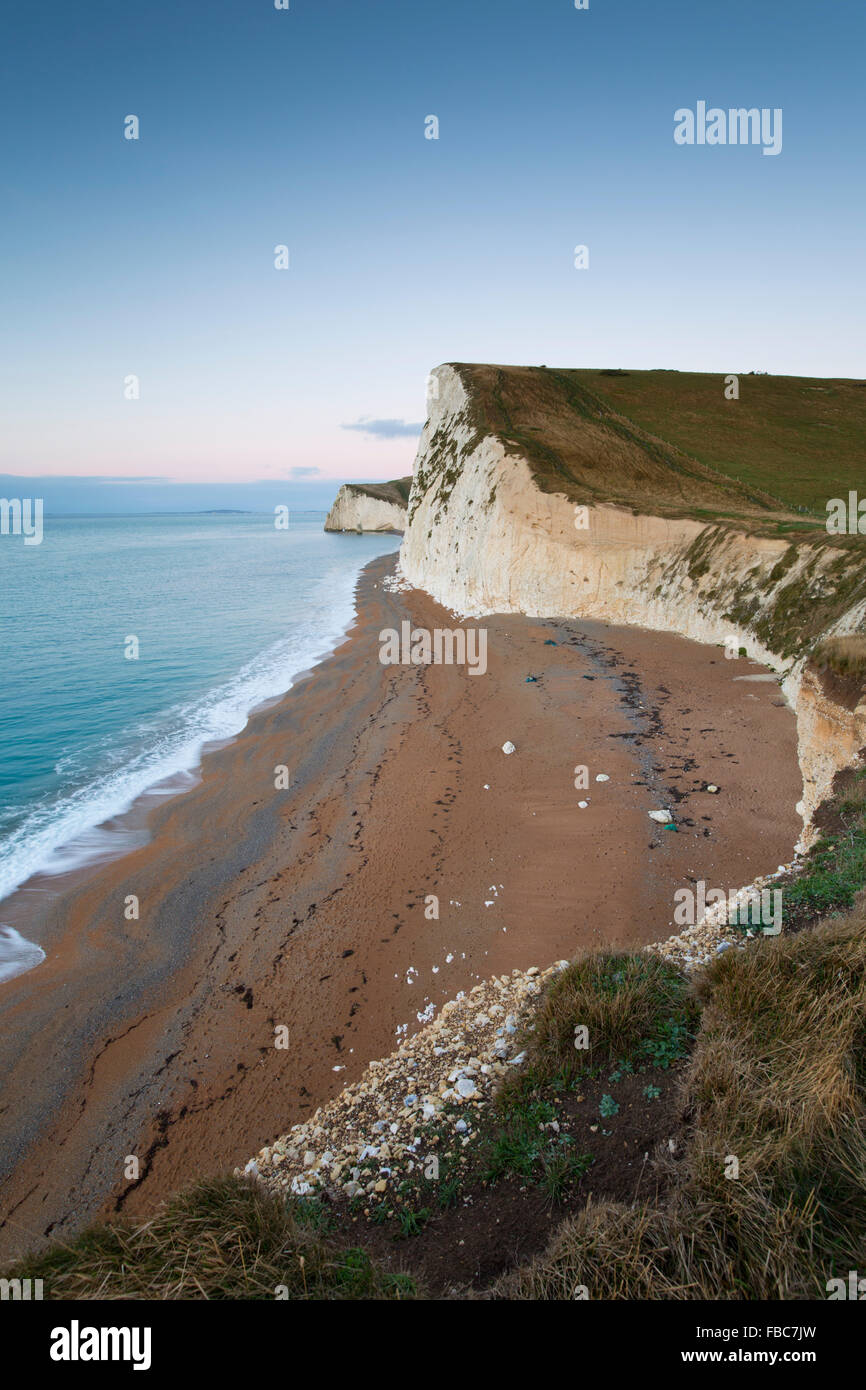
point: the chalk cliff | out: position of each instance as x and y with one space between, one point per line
370 507
531 495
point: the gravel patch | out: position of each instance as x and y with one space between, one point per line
378 1131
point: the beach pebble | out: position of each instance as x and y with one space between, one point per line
602 777
663 817
509 747
583 805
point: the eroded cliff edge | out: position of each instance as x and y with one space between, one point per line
370 507
531 494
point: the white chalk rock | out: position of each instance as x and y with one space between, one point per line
508 747
663 817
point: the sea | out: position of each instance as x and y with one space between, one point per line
130 643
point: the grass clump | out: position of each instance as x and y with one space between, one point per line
221 1239
637 1010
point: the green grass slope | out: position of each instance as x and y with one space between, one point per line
801 439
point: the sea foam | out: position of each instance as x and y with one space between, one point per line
17 954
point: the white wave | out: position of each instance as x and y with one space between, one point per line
72 831
17 955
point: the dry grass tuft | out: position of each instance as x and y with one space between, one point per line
221 1239
631 1005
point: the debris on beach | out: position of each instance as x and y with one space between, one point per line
531 680
602 777
711 787
662 817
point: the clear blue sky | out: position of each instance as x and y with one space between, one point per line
306 127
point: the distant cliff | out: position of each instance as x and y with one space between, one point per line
532 493
370 507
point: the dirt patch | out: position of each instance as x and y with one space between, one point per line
494 1226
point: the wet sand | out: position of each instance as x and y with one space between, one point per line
307 907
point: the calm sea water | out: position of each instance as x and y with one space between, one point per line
226 610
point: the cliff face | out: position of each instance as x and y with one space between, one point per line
507 520
370 507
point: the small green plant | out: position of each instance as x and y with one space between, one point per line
623 1069
312 1214
671 1042
401 1285
412 1223
561 1169
608 1107
652 1092
521 1140
354 1270
449 1191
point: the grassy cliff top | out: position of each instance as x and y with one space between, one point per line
669 443
802 439
396 491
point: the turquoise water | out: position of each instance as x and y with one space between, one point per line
226 610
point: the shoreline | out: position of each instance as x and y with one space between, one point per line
305 908
127 829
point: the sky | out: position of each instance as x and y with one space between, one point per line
154 258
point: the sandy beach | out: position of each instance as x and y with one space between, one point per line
306 908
